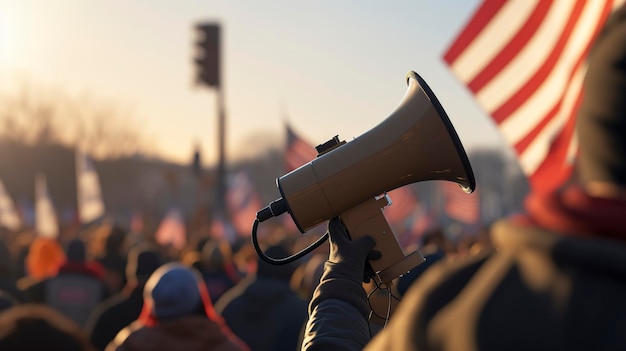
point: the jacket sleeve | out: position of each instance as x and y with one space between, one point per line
337 316
335 325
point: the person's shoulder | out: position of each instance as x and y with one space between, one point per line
443 281
123 335
431 293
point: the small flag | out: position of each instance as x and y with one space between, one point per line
222 230
46 223
136 222
243 202
90 204
459 205
403 205
9 218
171 230
298 151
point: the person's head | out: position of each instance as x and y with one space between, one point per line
44 258
115 241
307 276
174 291
278 272
104 239
76 251
142 262
215 255
601 120
435 239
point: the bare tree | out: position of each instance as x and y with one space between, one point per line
102 128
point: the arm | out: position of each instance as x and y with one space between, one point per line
338 311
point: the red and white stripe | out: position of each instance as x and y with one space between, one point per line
524 61
243 202
298 151
403 205
459 205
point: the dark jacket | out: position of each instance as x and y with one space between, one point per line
112 315
265 313
75 291
31 327
189 333
541 289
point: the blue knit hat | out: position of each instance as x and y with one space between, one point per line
173 291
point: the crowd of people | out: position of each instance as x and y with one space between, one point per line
102 289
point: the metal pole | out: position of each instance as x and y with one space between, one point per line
221 147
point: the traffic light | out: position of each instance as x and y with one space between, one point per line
207 57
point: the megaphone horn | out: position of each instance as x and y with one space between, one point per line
417 142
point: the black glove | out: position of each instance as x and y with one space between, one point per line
349 259
345 269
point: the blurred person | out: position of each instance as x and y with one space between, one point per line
43 258
7 300
435 247
120 310
244 257
19 245
177 315
113 257
263 309
307 275
8 277
38 327
217 267
77 287
436 240
557 277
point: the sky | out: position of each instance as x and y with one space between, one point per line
326 67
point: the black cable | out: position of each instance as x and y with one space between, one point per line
284 260
390 296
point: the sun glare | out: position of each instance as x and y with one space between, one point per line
8 42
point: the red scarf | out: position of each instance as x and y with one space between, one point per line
90 268
574 212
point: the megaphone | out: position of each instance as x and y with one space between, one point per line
417 142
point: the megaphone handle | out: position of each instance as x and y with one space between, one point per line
368 219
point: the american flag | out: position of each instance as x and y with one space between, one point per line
298 151
172 230
524 62
221 229
460 206
243 202
403 205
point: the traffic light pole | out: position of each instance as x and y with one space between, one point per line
207 61
221 147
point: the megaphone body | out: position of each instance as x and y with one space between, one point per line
417 142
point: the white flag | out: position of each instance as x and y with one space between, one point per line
90 204
46 224
9 217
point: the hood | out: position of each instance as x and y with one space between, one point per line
44 258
